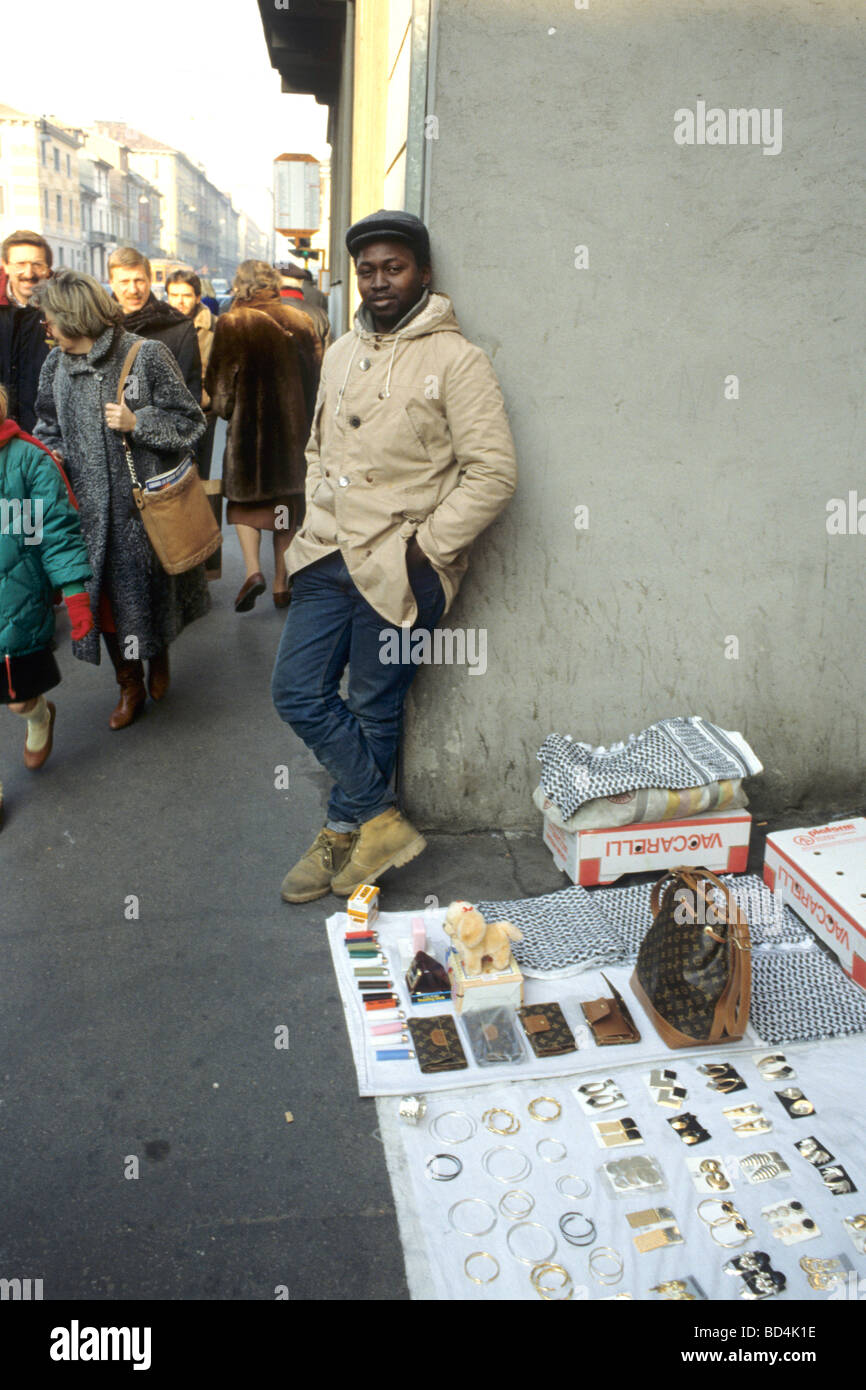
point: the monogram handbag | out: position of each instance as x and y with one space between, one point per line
694 972
176 512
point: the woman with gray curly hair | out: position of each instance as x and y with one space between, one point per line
262 377
138 608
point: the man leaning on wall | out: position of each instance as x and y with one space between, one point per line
410 458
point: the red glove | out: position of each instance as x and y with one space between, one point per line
80 616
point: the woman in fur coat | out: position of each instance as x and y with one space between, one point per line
262 377
138 608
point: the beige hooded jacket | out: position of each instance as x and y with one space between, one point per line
409 436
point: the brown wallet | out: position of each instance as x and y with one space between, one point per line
437 1043
609 1019
548 1033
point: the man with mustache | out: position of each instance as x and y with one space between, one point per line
26 261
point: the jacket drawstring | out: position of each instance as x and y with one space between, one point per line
346 377
12 694
391 363
352 359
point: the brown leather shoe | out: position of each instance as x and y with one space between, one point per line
248 593
387 842
282 598
130 678
36 760
158 675
311 876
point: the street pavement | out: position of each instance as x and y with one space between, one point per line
140 1036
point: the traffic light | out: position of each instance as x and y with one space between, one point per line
303 249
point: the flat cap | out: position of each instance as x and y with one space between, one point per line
391 226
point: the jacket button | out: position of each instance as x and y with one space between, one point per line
369 478
369 552
354 421
364 364
344 482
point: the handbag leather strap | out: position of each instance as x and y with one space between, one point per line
127 368
124 373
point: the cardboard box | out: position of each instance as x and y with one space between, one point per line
821 875
494 989
363 906
718 841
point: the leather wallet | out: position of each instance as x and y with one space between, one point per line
548 1033
437 1044
609 1019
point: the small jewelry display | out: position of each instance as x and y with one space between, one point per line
759 1278
512 1238
599 1095
507 1204
606 1265
491 1261
764 1167
487 1162
616 1134
443 1167
551 1150
774 1067
490 1117
560 1290
535 1109
790 1222
567 1182
576 1228
722 1077
709 1174
796 1104
689 1129
476 1202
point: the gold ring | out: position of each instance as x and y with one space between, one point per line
546 1100
487 1118
506 1209
546 1291
480 1255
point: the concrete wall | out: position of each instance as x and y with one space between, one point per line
707 515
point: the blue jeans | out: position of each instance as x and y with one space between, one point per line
330 625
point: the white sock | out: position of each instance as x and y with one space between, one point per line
38 724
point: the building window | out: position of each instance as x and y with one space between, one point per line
59 210
60 254
45 203
68 165
71 214
44 152
56 159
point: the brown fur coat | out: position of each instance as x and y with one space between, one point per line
262 378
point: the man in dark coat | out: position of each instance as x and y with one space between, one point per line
26 260
130 279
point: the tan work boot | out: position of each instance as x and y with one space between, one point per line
311 876
386 842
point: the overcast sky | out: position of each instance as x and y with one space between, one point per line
194 75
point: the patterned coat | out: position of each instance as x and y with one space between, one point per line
73 391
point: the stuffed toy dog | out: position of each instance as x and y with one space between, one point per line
474 938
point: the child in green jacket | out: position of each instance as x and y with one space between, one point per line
41 549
